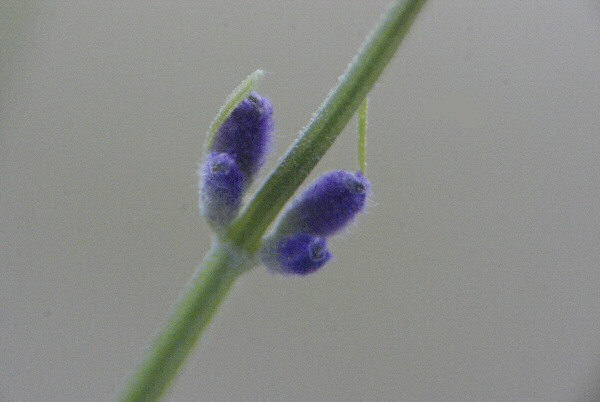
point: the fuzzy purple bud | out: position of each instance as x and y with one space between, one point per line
246 134
300 254
327 206
222 186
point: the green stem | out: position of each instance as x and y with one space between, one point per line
246 232
193 311
225 263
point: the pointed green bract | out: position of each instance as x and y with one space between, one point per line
362 136
240 93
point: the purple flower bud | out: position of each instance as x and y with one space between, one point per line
300 254
246 134
327 206
221 188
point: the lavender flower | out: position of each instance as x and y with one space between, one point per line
298 244
222 186
300 254
246 134
327 206
237 152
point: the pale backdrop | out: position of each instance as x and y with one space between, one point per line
475 274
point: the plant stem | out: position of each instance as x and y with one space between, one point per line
224 264
381 44
193 311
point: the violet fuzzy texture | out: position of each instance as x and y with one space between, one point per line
246 134
298 244
300 254
328 205
237 152
222 185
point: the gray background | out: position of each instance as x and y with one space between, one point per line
473 276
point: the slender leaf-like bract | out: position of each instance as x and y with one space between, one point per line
236 97
362 136
235 253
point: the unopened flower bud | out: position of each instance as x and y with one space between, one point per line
222 186
327 206
246 134
300 254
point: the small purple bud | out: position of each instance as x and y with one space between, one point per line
221 188
300 254
246 134
327 206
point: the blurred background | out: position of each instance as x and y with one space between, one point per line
474 275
